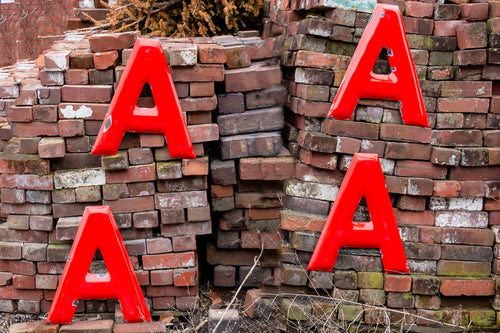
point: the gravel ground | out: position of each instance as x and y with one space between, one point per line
7 319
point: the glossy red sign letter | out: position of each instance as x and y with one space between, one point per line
384 30
147 64
364 179
98 230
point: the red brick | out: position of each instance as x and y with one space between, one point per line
105 60
13 195
350 129
34 129
162 277
294 221
159 245
201 89
411 217
474 173
429 235
155 326
397 283
203 133
421 26
474 11
56 60
130 205
199 73
420 169
211 54
463 89
446 28
309 108
33 327
184 243
197 167
88 111
445 156
68 128
76 76
86 93
224 276
221 191
457 138
51 148
446 189
405 133
185 277
321 60
136 173
419 9
169 260
252 78
472 35
23 282
20 114
467 287
114 41
273 168
22 164
238 56
468 105
104 326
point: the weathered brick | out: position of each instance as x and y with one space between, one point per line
252 78
350 129
321 60
274 168
463 268
211 54
248 145
86 93
263 120
425 285
169 260
397 283
56 60
456 138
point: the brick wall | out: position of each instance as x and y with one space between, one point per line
23 24
268 165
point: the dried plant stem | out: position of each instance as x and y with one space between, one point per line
256 261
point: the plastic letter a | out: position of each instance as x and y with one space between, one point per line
98 230
385 29
147 64
364 179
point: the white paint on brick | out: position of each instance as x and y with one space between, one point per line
437 203
496 230
461 219
387 166
82 112
366 145
412 189
312 190
78 178
60 60
468 204
333 162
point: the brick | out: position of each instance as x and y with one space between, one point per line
463 268
116 162
264 120
91 326
180 54
446 28
20 114
405 133
418 9
248 145
86 93
181 200
238 56
231 103
446 11
467 287
350 129
157 327
317 142
432 43
184 243
114 41
101 77
252 78
33 326
51 147
186 184
313 76
201 89
224 276
397 283
309 108
42 223
17 222
468 105
474 157
400 300
135 173
169 260
301 221
130 205
474 11
456 138
199 73
471 35
321 60
211 54
11 251
420 169
425 285
274 168
76 76
13 196
419 26
473 173
34 129
168 170
203 133
162 277
56 60
34 252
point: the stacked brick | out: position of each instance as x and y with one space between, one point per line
48 175
443 180
247 175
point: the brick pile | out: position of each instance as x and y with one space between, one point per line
48 175
443 181
247 174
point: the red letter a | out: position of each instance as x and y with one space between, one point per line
98 230
384 30
147 64
364 178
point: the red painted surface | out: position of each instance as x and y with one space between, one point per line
147 64
364 179
384 30
98 230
